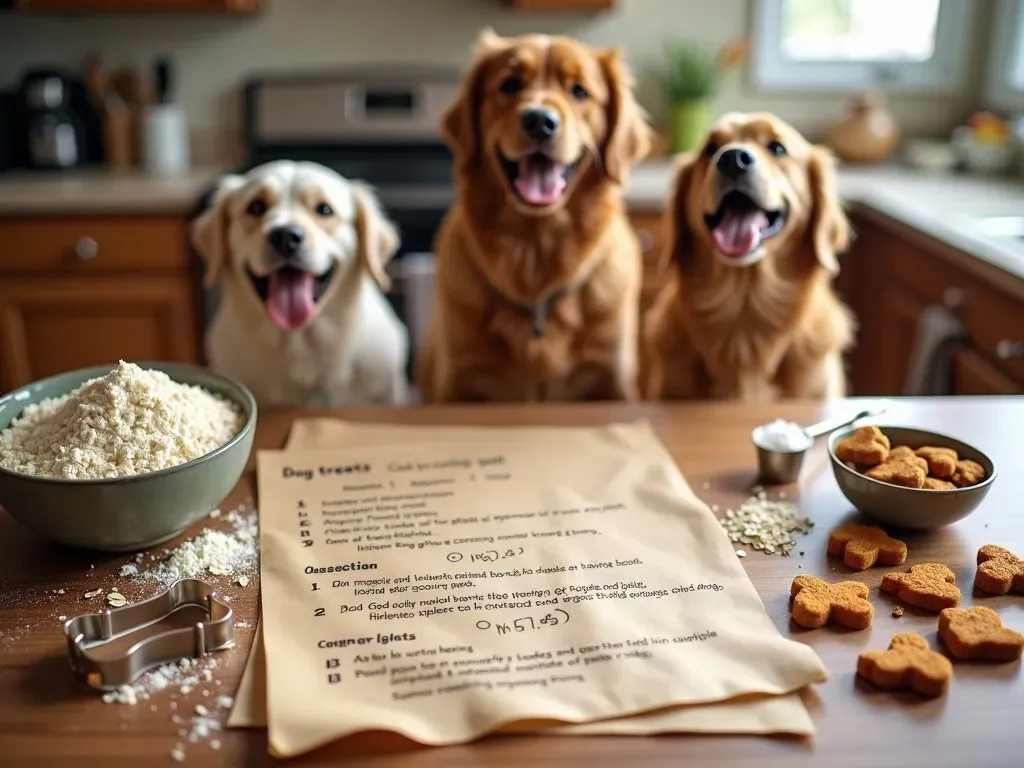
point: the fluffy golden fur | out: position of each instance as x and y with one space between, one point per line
538 286
748 312
306 324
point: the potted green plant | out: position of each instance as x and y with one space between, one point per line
690 76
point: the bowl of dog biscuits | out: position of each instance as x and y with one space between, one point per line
910 478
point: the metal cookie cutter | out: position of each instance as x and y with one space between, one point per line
93 637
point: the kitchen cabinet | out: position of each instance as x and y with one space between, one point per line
892 273
588 6
81 291
85 7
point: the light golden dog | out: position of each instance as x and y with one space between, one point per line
538 270
299 253
754 228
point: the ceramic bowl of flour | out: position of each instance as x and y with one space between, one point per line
138 508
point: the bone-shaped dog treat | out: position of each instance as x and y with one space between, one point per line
929 585
941 461
999 571
968 473
978 634
865 446
908 664
816 603
861 546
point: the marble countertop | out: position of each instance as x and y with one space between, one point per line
949 207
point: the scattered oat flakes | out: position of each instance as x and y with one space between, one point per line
215 744
62 618
93 593
60 591
741 553
225 702
215 513
765 525
897 611
243 581
186 689
201 710
178 753
116 600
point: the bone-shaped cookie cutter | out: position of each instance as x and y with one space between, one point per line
89 632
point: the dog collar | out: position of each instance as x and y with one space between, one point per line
541 311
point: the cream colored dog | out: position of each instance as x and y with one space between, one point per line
299 254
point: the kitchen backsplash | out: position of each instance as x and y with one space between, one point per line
212 56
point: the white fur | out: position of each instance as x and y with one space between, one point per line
355 349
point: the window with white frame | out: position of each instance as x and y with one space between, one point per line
847 45
1006 58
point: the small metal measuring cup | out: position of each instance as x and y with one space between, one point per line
781 467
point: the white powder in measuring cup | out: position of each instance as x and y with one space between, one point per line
125 423
782 435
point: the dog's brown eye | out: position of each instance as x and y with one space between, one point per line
257 207
511 85
323 209
579 93
776 148
710 149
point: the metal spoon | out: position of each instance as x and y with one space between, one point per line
780 466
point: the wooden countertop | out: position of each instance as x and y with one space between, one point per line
48 718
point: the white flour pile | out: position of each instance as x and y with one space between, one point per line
128 422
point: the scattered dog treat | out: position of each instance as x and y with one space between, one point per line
930 586
897 611
978 634
941 461
94 593
935 484
861 546
968 473
865 446
909 664
899 473
816 603
999 571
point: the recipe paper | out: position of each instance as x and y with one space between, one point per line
623 576
746 715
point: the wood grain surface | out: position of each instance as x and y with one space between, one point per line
48 717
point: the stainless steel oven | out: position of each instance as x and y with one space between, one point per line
381 126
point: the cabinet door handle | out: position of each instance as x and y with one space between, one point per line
1007 348
86 248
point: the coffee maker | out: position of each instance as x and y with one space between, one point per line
55 135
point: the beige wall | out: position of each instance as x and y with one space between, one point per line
214 55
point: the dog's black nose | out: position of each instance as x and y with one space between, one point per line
733 163
540 124
286 240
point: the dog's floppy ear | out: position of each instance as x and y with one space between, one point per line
831 232
678 245
209 231
460 124
629 134
378 237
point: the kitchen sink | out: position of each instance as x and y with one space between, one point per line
1000 226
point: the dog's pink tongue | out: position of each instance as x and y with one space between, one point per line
739 233
540 182
290 301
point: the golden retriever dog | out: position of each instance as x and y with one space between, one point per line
754 226
538 270
299 253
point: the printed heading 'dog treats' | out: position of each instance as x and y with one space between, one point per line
978 634
909 664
